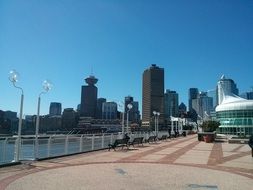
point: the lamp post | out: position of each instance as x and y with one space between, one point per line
121 104
13 77
156 115
129 106
154 112
157 123
46 86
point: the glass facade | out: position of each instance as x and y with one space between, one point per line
236 122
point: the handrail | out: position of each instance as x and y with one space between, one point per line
58 145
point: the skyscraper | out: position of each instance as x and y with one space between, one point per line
213 94
69 119
109 110
203 105
225 86
247 95
182 109
128 100
134 114
193 94
89 98
55 109
152 94
100 102
170 104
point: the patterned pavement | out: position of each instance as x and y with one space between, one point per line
182 163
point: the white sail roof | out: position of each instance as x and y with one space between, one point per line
233 102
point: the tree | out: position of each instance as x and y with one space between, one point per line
210 126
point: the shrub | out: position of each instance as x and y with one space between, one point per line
210 126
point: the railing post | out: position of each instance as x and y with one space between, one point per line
66 144
35 155
16 149
49 146
103 140
92 142
81 144
111 139
4 148
21 153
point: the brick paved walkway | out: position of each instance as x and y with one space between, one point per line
182 163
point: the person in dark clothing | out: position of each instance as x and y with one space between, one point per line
126 136
169 131
251 144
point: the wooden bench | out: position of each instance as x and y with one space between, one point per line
151 139
137 140
118 143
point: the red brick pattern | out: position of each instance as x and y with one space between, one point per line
171 158
216 154
216 158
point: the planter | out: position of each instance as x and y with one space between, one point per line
208 138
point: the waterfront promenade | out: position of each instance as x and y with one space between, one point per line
182 163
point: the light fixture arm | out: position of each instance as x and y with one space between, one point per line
14 84
43 92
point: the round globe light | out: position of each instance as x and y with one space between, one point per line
13 76
129 106
158 113
47 85
154 112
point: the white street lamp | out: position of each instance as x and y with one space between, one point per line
129 106
47 85
156 115
154 112
157 124
13 77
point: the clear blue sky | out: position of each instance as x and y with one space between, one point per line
64 40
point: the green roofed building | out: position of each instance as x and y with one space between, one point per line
235 115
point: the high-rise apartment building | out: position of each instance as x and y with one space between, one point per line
170 104
109 110
152 94
89 98
225 86
55 109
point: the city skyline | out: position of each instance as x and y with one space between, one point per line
196 43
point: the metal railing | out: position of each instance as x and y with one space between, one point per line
59 145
